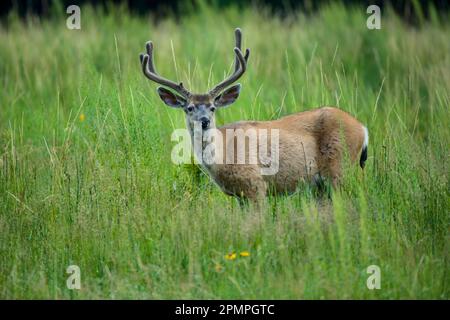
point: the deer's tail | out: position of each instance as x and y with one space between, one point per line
363 158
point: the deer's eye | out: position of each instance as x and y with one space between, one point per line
190 108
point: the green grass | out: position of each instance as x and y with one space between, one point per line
103 194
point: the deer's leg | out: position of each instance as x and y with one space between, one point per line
243 202
335 171
257 193
331 158
256 196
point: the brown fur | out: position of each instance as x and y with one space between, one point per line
310 143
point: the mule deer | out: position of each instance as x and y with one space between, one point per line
311 144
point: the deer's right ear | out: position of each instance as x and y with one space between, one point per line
228 96
171 99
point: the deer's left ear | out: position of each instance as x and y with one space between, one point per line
228 96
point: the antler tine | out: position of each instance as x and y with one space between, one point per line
235 76
238 35
148 68
240 65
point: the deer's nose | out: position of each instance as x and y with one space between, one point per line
205 122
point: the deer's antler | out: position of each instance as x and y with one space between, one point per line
238 35
240 65
148 68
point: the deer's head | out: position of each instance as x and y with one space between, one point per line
198 108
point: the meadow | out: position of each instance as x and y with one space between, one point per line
86 176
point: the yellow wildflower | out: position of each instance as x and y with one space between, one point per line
230 256
218 268
82 117
244 254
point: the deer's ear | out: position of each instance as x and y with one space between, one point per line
228 96
171 99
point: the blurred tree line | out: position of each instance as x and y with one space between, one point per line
412 11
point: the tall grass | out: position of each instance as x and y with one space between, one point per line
103 194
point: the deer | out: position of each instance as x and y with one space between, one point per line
311 144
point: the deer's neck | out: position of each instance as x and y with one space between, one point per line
203 144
